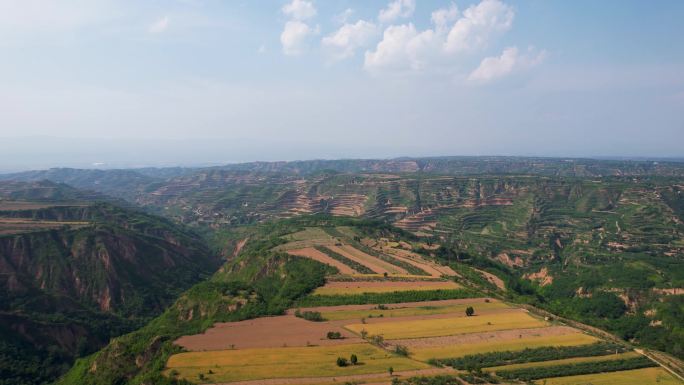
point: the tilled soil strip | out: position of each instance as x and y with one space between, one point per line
417 259
374 263
314 254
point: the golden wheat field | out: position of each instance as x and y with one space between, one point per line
448 326
460 350
412 311
314 361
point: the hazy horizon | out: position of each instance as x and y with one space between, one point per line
46 153
194 82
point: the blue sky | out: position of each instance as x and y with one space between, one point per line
197 81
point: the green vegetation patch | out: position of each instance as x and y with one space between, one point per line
546 353
529 374
383 298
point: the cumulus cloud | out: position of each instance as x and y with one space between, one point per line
344 42
451 35
396 10
404 47
299 10
443 17
295 36
510 60
477 26
296 33
159 26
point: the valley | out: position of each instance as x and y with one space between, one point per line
268 273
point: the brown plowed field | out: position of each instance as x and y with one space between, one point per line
373 263
314 254
433 269
266 332
501 335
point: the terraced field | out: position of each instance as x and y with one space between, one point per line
358 287
437 327
292 362
384 329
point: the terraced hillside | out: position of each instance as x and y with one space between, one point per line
386 326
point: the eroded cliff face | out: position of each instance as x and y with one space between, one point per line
68 291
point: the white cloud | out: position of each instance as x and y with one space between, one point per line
295 37
296 33
402 47
342 17
397 9
442 17
345 41
452 35
479 23
299 10
511 60
159 26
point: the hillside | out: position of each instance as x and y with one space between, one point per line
601 242
76 273
342 289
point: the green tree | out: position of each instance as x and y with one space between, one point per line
470 311
353 359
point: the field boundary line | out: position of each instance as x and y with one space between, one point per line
650 357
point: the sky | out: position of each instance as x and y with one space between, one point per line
104 83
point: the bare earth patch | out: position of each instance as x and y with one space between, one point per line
373 263
498 282
542 276
510 262
434 269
